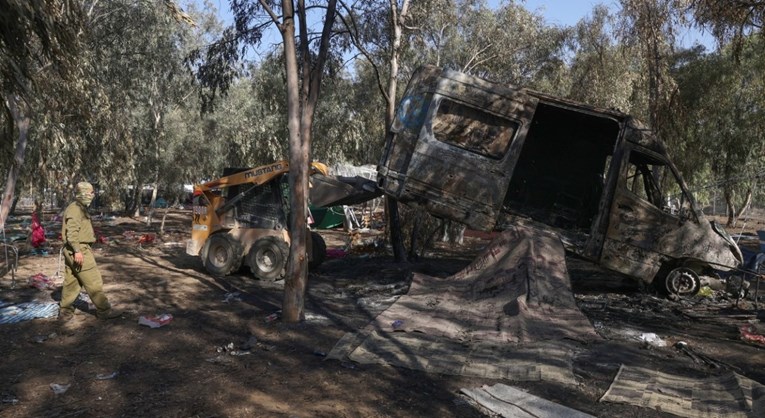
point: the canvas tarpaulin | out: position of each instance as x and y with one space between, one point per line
728 395
516 295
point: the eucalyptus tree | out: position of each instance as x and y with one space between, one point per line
39 41
648 31
600 73
731 22
726 105
136 54
508 43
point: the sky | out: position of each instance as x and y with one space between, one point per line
555 12
569 12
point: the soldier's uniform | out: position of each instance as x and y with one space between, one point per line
78 235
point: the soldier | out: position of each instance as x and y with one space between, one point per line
81 269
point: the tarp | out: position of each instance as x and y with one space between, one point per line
514 298
729 395
328 191
516 290
26 311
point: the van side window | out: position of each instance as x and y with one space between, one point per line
472 129
653 181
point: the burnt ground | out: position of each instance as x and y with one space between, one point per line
222 355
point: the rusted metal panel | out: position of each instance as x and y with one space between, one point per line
456 163
487 155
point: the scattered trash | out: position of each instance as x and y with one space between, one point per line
706 292
84 303
697 357
10 399
397 324
26 311
309 317
146 239
749 334
42 338
232 296
155 321
59 389
273 317
319 353
229 349
41 282
652 339
106 376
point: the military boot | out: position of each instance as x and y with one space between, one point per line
109 314
65 315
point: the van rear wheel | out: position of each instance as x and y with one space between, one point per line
682 281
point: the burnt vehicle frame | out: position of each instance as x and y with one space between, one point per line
489 155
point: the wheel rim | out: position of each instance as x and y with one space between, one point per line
220 256
683 282
266 260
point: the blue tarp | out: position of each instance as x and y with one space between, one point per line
26 311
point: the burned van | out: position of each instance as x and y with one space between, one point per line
490 155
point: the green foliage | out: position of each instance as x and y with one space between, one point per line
122 109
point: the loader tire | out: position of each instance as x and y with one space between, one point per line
222 255
268 258
318 251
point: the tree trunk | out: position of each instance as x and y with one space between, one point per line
20 113
301 105
13 205
746 204
730 206
396 237
137 200
397 20
295 281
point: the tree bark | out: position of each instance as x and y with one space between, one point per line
746 204
295 281
20 112
397 21
730 206
301 106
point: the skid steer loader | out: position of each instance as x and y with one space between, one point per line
242 219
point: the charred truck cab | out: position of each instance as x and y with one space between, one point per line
490 155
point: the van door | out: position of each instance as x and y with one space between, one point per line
463 161
651 218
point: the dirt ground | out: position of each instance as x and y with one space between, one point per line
223 355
